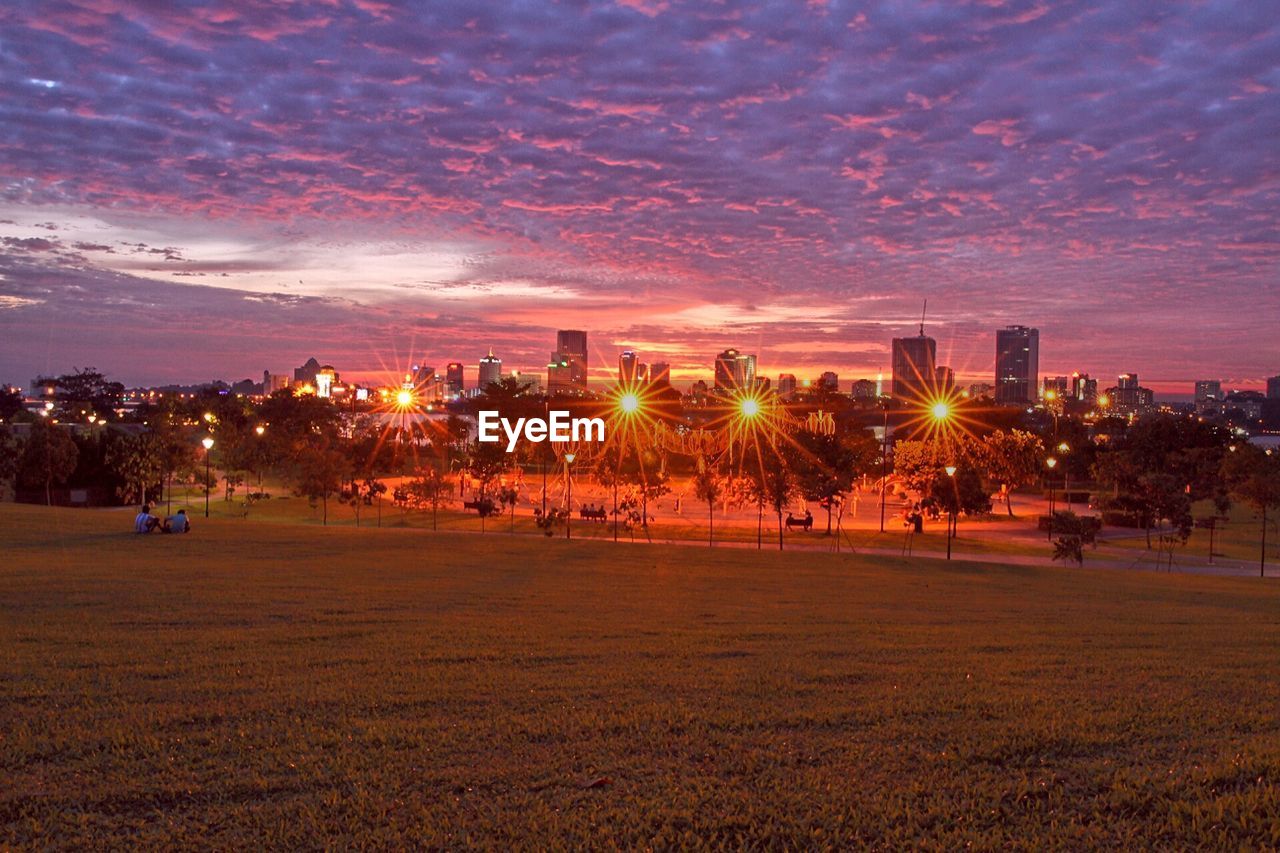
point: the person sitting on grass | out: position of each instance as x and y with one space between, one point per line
145 522
177 523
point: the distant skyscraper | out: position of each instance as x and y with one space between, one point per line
273 382
786 385
1017 365
747 370
1129 397
628 366
728 375
1084 388
944 379
306 375
490 370
914 367
1273 388
1208 389
420 375
453 377
326 376
660 373
863 389
571 357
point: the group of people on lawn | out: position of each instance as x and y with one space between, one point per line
145 522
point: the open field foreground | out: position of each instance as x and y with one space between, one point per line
295 686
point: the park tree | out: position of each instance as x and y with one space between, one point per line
137 462
318 472
48 457
708 487
428 488
960 493
8 457
826 465
1160 466
771 480
1011 459
919 462
10 403
486 461
1253 477
82 393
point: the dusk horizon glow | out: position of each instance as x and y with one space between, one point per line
216 189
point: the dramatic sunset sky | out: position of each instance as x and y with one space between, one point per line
198 190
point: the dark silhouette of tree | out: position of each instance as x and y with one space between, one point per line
1253 477
138 462
10 403
84 392
318 472
1011 459
48 457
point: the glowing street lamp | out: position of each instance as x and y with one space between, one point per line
568 518
940 411
629 403
208 445
749 407
1051 463
259 429
404 398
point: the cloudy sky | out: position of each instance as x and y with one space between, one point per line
191 190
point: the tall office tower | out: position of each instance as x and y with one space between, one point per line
1208 389
420 375
306 375
1083 388
914 367
490 370
571 347
944 379
830 381
863 389
326 376
1017 365
628 366
1055 388
1128 397
728 374
747 371
453 378
1273 388
660 373
786 385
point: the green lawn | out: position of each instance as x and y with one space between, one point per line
292 685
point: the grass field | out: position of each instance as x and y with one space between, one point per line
289 685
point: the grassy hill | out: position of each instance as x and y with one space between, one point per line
295 685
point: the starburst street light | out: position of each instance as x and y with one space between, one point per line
404 398
940 410
749 407
629 402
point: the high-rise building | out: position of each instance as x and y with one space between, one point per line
747 370
571 349
273 382
914 367
490 370
306 375
420 375
1054 388
628 367
326 376
660 373
1017 364
453 377
1130 398
1208 389
1083 388
944 379
830 380
728 373
786 385
1273 388
863 389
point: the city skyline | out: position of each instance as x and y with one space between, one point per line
243 186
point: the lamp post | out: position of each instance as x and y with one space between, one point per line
884 461
568 476
1051 463
1064 449
951 507
208 445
